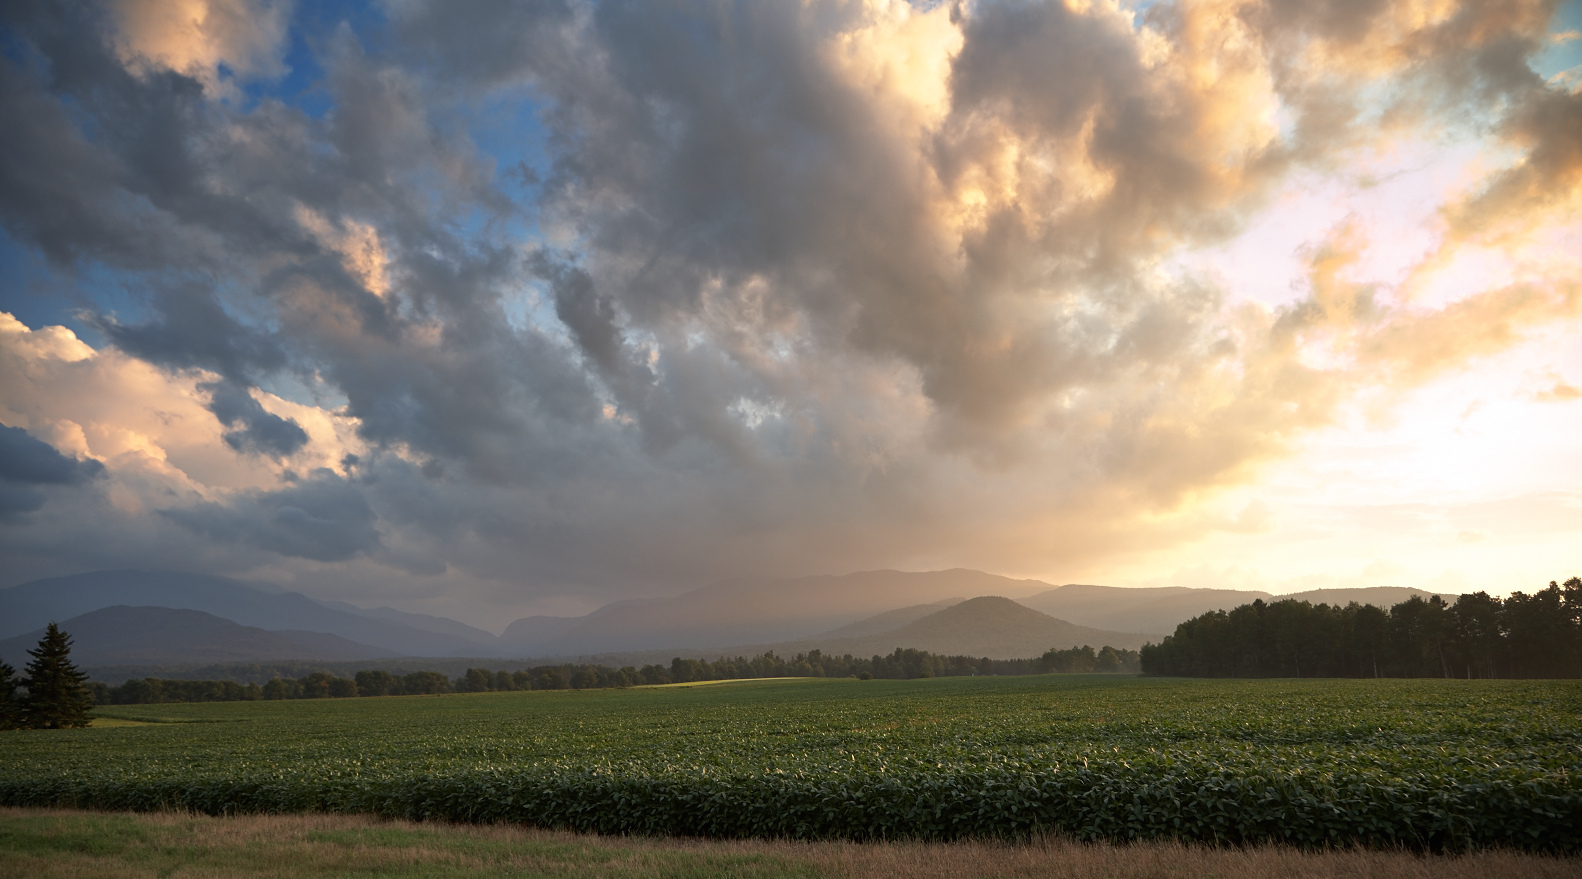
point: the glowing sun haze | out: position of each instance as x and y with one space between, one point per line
490 309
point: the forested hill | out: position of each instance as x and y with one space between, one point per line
1479 636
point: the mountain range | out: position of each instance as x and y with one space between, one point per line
128 617
32 605
167 636
989 625
754 611
1161 609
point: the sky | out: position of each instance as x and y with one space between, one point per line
492 309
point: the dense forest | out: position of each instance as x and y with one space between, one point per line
1479 636
902 664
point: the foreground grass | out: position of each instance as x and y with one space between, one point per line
61 844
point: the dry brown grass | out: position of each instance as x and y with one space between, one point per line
63 844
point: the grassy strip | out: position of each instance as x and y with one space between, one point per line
64 844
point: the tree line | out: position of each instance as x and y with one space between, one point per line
316 685
903 664
1479 636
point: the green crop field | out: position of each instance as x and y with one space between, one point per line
1425 764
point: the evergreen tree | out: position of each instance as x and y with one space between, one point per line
10 708
58 696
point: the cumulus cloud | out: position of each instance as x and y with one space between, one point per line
197 37
787 287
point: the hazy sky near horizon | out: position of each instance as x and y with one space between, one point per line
489 309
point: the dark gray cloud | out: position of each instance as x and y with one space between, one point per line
194 332
253 428
27 463
323 518
16 500
72 211
126 182
484 45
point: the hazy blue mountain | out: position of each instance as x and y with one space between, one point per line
1068 616
890 620
426 622
748 611
1000 628
766 612
524 636
32 605
782 611
158 635
991 626
258 671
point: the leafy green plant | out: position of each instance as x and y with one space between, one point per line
1442 765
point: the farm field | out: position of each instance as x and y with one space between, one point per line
1413 763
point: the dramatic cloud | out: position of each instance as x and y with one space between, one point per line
197 37
325 519
27 463
545 304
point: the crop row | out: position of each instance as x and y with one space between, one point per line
1110 800
1418 764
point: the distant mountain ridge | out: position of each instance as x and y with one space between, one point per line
122 635
862 613
1161 609
988 625
32 605
423 621
991 626
785 611
750 611
879 624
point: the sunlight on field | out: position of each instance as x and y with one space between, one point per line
714 683
104 722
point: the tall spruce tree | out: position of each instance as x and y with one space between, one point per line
58 696
10 707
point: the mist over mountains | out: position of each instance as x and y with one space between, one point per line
173 619
989 625
33 605
167 636
756 611
1162 609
